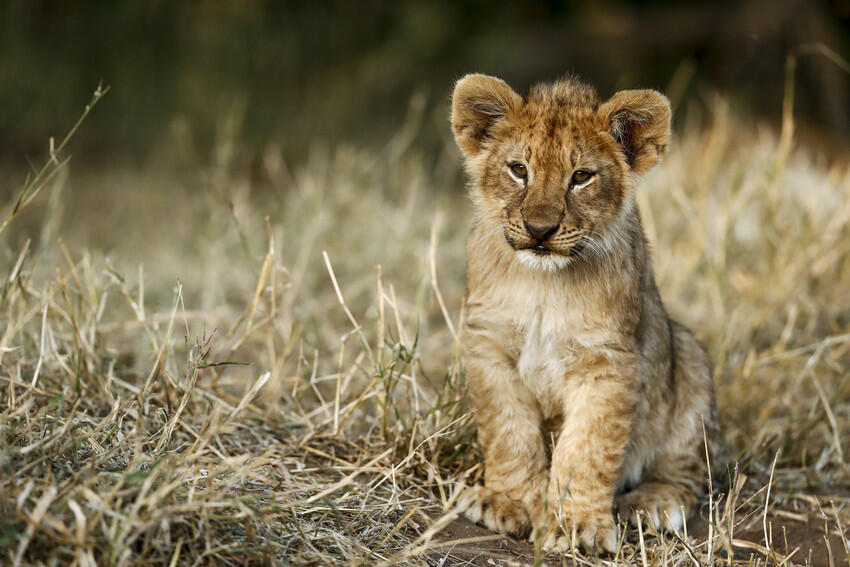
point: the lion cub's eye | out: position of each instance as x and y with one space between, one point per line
581 175
519 169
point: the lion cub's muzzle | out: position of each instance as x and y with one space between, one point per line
540 234
542 238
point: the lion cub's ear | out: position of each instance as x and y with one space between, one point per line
640 122
478 102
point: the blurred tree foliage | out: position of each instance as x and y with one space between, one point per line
298 71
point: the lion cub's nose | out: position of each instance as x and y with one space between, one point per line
540 232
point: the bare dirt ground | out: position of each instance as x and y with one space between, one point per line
465 543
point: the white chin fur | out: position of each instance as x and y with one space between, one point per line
542 262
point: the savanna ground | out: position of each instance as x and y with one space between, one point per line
195 371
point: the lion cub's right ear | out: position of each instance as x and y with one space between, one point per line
478 102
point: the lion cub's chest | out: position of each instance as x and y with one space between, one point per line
552 341
546 354
550 327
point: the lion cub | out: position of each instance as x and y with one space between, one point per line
587 395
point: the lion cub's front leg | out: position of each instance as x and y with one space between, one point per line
509 422
587 460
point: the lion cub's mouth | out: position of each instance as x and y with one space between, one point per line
542 249
538 249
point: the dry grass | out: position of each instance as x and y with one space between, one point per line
187 378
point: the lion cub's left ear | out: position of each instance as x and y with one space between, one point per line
640 122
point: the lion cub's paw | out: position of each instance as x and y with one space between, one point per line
593 533
666 505
495 510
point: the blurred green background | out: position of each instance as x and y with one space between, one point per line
297 72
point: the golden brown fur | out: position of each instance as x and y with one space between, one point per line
587 395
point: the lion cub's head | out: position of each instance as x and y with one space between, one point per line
555 169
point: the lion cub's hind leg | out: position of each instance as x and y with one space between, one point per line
495 510
677 478
668 495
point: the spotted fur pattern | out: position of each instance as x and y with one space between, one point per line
588 398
